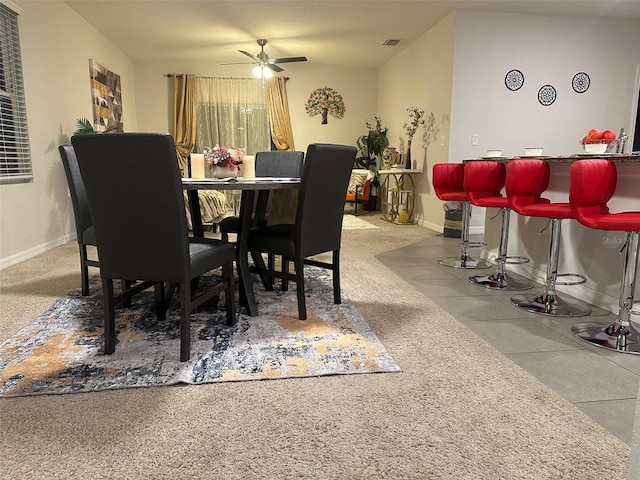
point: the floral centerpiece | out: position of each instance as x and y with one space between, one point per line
416 115
224 157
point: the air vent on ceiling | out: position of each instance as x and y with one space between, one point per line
391 42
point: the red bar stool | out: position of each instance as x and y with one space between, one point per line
448 186
526 181
593 183
483 182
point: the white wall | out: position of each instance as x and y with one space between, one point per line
358 87
548 50
56 46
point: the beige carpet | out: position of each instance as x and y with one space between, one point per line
467 413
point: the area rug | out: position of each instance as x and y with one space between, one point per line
351 222
61 351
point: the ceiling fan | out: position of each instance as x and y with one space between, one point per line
263 61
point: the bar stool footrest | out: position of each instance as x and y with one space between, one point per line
580 279
472 244
516 259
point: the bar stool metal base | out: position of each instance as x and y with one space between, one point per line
501 281
462 262
552 305
612 336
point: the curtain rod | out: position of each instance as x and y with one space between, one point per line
170 75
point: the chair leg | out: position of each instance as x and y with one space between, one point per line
230 304
302 304
160 306
549 302
84 270
224 236
185 321
499 280
337 297
258 261
109 314
285 270
124 285
621 335
464 260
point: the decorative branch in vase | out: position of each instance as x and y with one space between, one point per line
416 115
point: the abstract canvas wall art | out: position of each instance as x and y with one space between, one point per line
106 98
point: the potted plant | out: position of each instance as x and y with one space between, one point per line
83 126
370 147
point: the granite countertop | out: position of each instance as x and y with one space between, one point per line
618 158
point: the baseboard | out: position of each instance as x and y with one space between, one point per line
32 252
477 230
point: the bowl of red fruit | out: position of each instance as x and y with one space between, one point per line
597 142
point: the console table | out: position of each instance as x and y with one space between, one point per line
397 195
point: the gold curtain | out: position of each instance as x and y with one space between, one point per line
284 202
184 116
281 132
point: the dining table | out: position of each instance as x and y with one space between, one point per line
251 213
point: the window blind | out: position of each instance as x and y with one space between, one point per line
15 155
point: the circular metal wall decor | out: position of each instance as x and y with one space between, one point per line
546 95
514 79
580 82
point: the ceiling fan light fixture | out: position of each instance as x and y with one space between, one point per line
261 71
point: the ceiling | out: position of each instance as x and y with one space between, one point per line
327 32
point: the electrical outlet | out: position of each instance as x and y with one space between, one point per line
475 139
442 141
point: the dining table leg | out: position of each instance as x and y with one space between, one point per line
196 215
245 280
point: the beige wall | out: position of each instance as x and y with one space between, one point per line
56 47
421 76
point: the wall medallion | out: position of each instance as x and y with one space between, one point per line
514 79
580 82
547 95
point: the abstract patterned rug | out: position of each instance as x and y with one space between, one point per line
61 351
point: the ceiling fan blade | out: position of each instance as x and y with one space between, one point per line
275 68
238 63
249 55
288 60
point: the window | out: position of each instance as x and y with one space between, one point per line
15 156
232 112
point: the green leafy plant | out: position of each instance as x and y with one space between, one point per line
83 126
370 146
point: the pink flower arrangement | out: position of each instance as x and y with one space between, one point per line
224 156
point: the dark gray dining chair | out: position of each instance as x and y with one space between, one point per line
133 185
318 224
85 233
268 164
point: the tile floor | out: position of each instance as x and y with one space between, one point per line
601 383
